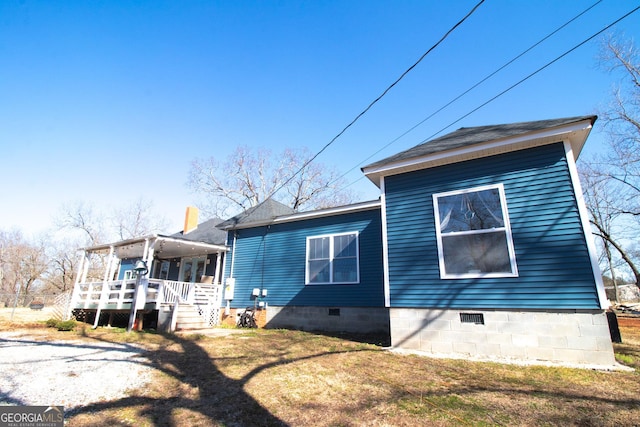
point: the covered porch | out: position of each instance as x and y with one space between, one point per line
178 271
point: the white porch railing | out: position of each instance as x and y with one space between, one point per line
207 299
119 295
173 291
116 293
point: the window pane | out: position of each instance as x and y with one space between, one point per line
186 271
319 271
344 270
478 210
199 270
319 248
164 270
476 253
332 259
344 246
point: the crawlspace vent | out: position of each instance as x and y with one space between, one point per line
475 318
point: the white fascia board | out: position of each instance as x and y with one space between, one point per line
340 210
576 134
154 238
194 243
132 241
385 247
586 228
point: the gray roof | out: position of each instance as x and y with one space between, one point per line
475 135
206 232
265 211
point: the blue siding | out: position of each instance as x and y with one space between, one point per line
274 257
126 265
551 253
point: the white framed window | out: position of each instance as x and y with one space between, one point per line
474 233
333 259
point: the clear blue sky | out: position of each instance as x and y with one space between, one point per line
107 101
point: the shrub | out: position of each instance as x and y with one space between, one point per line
62 325
66 325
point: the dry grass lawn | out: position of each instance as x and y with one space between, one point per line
277 377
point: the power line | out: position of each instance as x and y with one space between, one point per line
517 83
472 87
533 73
379 97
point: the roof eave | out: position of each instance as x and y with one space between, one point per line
575 133
299 216
107 246
157 237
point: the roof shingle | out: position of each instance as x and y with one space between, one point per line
475 135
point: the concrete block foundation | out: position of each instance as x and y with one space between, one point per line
363 320
568 337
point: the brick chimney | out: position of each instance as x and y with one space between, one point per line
190 219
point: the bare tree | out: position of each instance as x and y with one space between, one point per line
137 219
612 179
82 225
63 266
22 263
133 219
601 199
84 218
248 177
622 123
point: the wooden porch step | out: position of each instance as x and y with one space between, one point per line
189 318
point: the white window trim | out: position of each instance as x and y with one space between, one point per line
331 258
506 228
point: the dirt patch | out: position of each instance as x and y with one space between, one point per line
25 314
630 322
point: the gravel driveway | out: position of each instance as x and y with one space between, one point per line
68 373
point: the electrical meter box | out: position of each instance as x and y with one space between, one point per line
229 288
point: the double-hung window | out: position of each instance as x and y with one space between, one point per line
473 233
332 259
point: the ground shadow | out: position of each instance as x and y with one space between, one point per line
379 339
220 400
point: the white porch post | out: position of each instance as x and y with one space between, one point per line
81 262
115 263
216 276
139 292
104 292
148 259
85 266
76 286
108 266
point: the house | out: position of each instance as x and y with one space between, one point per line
319 270
479 246
181 286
